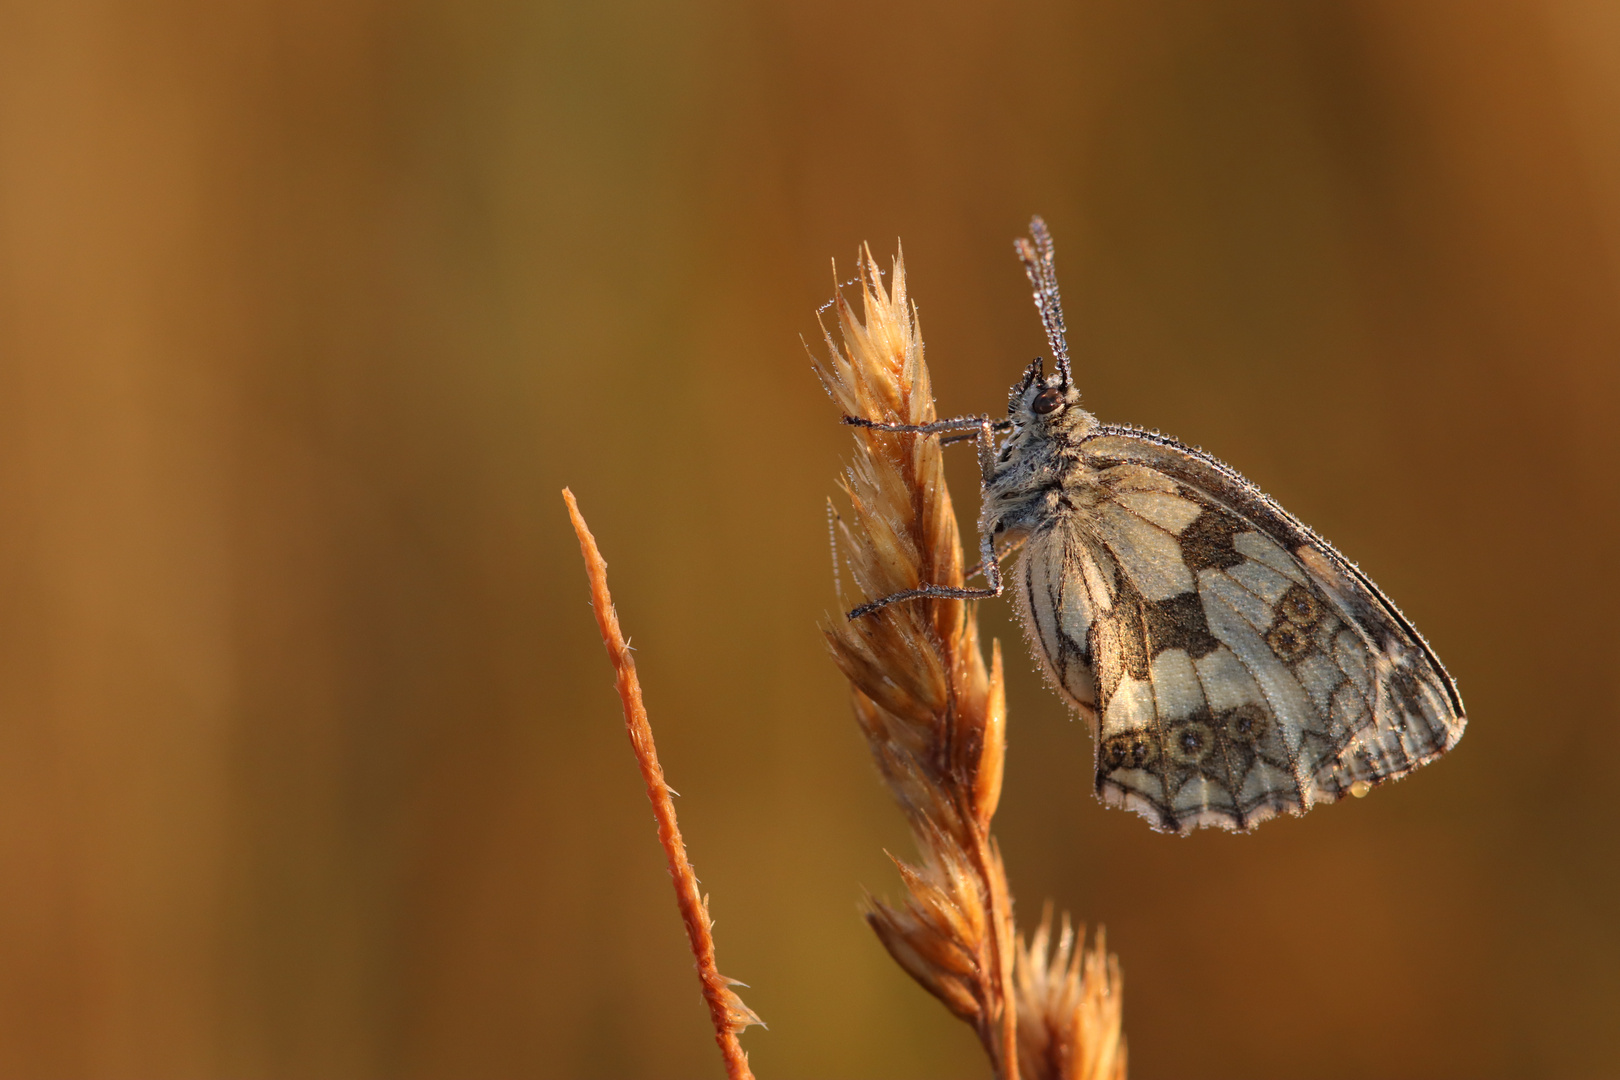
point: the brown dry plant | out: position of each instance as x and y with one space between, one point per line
726 1010
1069 1006
935 717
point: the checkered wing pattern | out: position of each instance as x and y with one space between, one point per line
1233 664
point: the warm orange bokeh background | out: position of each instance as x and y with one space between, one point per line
309 760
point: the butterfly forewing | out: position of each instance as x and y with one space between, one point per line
1233 664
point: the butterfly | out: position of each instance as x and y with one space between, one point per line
1231 663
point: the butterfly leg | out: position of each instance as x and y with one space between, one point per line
992 577
966 436
968 424
983 432
978 568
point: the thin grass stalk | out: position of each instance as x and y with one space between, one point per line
726 1010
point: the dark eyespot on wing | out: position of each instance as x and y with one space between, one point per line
1299 607
1288 641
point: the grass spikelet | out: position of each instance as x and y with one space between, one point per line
934 715
1069 1005
931 710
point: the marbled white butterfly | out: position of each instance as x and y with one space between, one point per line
1231 663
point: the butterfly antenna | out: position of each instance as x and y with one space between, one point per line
1037 259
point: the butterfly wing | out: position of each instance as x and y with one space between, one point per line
1233 664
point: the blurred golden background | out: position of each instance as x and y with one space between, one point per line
310 764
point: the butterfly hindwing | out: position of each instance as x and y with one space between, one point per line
1233 664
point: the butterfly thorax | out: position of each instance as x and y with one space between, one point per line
1039 476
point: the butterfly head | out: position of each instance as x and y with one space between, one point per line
1042 400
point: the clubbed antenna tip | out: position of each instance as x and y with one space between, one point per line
1035 252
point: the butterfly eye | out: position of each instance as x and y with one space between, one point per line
1046 401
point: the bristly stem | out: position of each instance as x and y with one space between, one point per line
726 1010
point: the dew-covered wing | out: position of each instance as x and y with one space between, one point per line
1234 664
